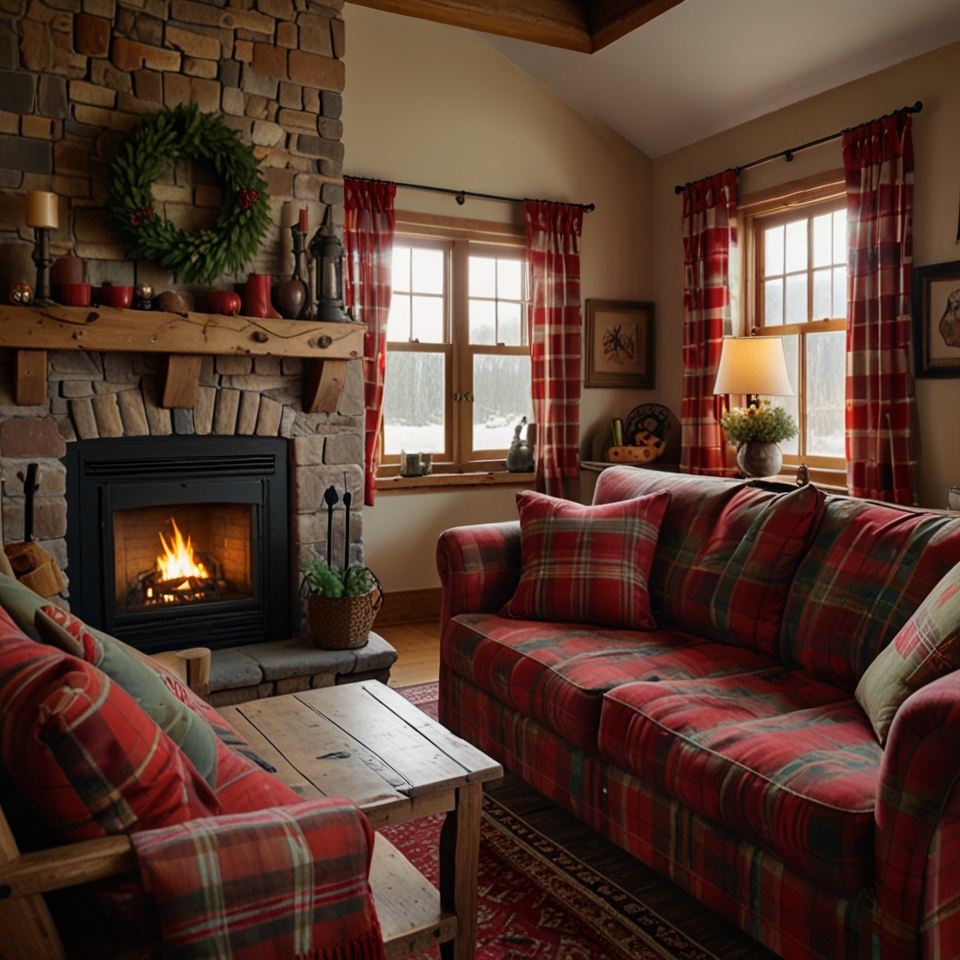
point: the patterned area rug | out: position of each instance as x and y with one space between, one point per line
535 899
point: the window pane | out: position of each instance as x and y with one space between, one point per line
791 352
796 311
508 328
839 236
822 286
483 277
501 390
509 273
401 268
772 251
796 243
427 271
839 292
398 321
428 319
826 372
413 393
773 303
823 240
483 322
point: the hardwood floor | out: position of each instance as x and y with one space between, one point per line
418 646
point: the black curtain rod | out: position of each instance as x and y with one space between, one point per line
789 154
461 195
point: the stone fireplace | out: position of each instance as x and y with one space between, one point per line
103 429
75 77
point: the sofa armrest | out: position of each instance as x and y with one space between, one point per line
479 568
918 780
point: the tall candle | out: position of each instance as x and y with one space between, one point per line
303 221
42 209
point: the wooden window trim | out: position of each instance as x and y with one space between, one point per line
771 207
460 238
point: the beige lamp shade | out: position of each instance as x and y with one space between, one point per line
753 365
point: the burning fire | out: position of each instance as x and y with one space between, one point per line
178 559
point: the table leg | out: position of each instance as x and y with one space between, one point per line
459 864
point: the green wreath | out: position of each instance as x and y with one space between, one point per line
159 141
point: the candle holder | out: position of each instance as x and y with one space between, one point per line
44 260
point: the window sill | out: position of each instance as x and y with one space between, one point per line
448 481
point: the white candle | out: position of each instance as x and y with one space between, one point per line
42 209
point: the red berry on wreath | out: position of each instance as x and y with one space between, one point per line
247 198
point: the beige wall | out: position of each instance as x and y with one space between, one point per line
427 103
933 78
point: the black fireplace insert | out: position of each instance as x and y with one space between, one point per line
180 541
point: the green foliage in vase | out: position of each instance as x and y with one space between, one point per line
323 580
763 424
160 141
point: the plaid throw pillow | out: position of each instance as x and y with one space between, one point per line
925 649
587 564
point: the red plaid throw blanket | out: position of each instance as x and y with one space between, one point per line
289 883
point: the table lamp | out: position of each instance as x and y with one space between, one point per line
42 216
753 366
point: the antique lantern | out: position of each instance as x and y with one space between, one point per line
327 252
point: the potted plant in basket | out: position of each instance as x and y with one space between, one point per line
757 430
341 604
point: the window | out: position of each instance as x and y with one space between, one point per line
458 363
800 294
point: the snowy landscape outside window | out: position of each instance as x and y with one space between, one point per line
800 294
458 363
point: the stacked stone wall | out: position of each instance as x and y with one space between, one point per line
77 75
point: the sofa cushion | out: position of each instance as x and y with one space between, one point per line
82 755
587 564
867 571
927 648
557 673
726 554
784 761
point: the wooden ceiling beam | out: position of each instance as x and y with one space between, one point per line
556 23
612 19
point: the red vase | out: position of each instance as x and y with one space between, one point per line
256 301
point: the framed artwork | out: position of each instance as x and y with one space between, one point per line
619 344
936 320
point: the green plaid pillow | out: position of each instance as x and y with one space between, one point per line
925 649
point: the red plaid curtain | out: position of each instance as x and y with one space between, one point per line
553 252
368 239
709 253
878 160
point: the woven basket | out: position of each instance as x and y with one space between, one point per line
343 623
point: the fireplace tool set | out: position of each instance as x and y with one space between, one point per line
28 561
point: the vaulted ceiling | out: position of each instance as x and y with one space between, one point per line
667 73
582 25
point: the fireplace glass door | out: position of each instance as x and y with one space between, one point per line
181 541
191 554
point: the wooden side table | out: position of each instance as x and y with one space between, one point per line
366 742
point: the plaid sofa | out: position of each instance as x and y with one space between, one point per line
737 763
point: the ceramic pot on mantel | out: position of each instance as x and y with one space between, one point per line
756 459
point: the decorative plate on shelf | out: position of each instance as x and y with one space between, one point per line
652 417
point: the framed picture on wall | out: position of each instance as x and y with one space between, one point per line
935 307
619 344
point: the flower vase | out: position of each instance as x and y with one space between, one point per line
758 459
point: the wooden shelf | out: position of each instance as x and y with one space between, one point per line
32 331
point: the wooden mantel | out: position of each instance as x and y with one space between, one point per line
183 338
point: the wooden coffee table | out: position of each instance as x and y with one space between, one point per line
366 742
